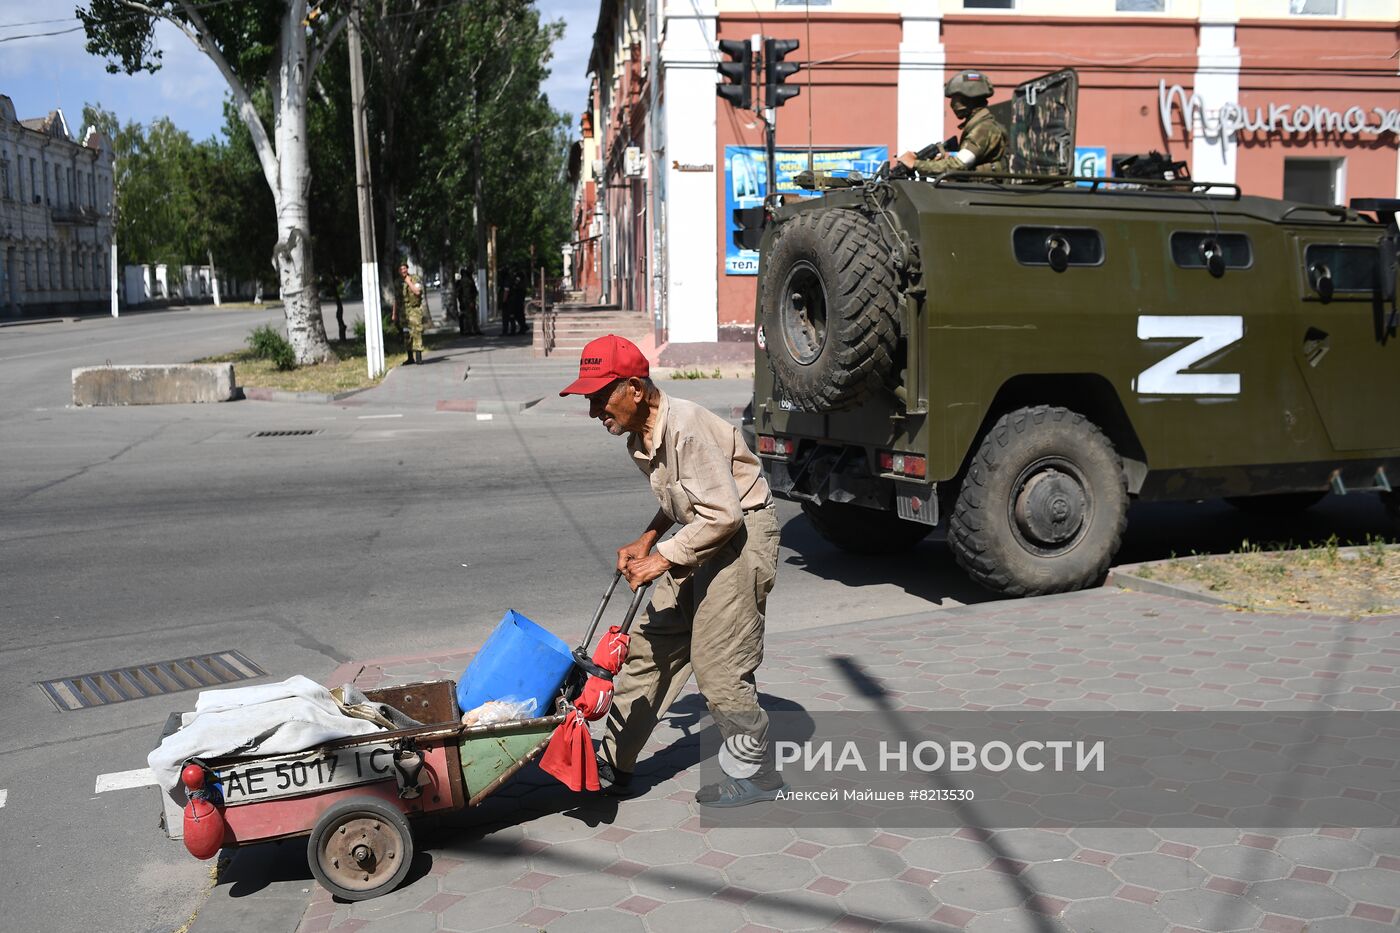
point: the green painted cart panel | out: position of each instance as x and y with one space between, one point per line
490 754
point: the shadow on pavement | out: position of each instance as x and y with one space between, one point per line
926 571
1159 530
254 868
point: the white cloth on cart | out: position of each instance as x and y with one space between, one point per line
266 719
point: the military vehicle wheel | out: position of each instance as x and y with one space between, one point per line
864 531
829 300
1043 506
1286 503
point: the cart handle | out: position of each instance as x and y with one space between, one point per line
581 652
597 616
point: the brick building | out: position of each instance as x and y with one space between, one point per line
1286 98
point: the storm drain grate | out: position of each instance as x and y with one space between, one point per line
105 688
302 432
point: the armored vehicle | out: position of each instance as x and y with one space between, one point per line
1021 355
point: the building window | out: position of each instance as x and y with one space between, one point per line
1140 6
5 177
1314 181
1315 7
989 4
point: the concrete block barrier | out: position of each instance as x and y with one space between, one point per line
169 384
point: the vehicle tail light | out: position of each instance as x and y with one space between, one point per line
903 464
775 446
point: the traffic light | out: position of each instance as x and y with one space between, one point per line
776 71
738 72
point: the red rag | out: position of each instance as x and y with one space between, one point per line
570 756
595 698
612 650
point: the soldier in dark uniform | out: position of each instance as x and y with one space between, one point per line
466 304
983 147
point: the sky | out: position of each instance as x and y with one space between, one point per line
42 73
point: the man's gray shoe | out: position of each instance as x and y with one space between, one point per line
736 792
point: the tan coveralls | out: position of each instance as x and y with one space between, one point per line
707 612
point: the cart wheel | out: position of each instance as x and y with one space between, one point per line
361 848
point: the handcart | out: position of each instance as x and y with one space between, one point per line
353 797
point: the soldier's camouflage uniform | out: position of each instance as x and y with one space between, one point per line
413 314
983 135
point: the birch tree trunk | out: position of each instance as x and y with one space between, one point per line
301 302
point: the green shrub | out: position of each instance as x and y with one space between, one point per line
268 344
359 329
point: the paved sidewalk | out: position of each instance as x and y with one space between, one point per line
536 856
495 375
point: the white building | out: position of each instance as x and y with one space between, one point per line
55 215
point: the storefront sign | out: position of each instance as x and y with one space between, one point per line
746 183
1272 118
1090 162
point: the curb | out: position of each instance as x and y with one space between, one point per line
257 394
46 320
1125 580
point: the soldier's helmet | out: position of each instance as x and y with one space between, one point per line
969 84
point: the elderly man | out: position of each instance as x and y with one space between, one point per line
713 576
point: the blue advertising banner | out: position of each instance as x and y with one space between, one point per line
1090 162
746 184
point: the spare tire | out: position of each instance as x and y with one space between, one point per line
829 300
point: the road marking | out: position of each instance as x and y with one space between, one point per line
4 795
372 417
124 780
483 417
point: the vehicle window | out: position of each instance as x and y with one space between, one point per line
1353 268
1057 246
1189 249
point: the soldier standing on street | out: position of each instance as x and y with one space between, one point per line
713 576
412 304
466 304
984 141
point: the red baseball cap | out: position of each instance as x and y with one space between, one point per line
605 360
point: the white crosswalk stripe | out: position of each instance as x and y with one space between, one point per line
124 780
4 795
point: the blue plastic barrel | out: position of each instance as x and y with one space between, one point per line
520 661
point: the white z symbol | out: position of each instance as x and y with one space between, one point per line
1212 333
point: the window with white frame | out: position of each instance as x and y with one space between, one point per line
1315 7
1315 181
1140 6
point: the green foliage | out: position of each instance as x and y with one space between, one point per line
267 343
485 146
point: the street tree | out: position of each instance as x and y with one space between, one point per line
276 43
488 148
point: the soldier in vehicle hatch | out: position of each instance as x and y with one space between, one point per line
984 140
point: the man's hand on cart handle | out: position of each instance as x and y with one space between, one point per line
636 550
640 571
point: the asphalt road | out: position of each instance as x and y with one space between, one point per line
132 535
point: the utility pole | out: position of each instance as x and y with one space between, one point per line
115 276
369 264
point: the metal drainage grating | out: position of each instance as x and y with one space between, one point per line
301 432
105 688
